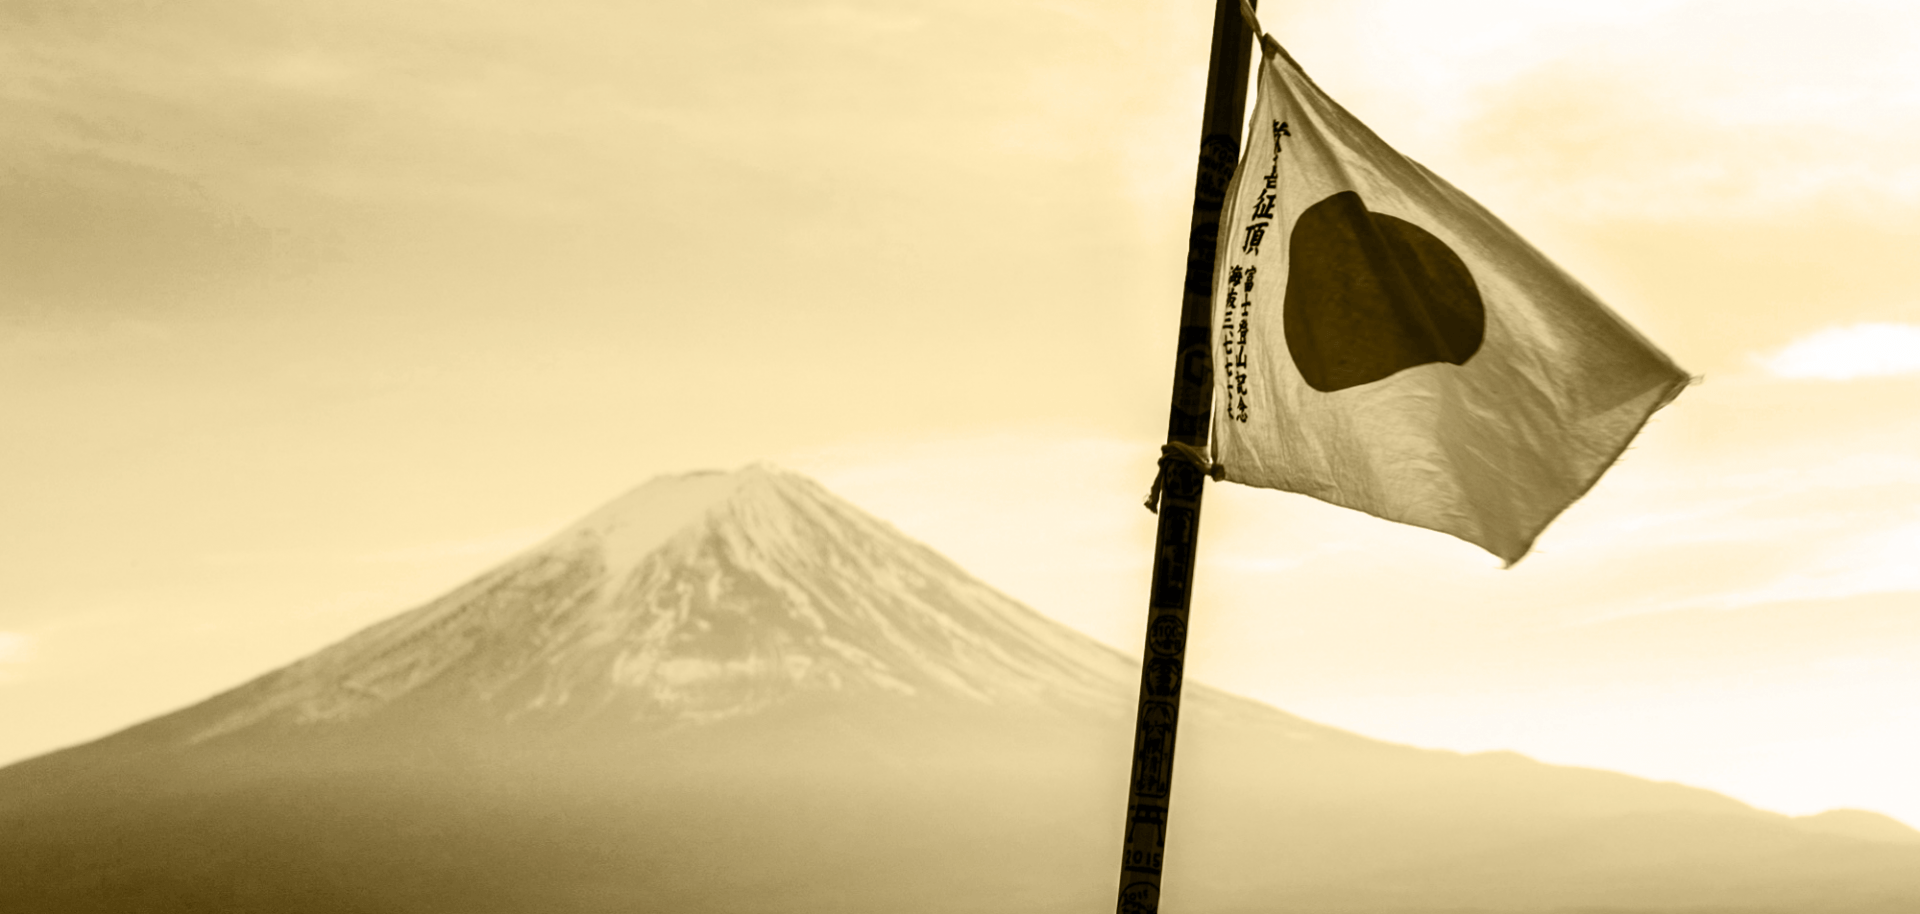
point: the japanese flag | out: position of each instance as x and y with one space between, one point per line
1383 343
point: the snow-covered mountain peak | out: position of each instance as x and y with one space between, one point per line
695 598
629 528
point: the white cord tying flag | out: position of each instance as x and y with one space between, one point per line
1383 343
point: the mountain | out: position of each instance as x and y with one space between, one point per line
735 692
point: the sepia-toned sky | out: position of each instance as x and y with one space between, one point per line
309 313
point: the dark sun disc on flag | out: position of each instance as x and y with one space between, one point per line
1370 295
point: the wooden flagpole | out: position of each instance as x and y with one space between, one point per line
1181 483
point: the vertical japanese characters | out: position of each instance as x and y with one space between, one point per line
1240 286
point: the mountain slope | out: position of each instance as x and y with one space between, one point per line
734 692
690 600
746 589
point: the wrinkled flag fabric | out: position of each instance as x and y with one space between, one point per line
1385 344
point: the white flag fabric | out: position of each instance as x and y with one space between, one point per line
1384 343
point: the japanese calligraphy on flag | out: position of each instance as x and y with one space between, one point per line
1383 343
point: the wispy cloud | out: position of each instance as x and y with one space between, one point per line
1629 117
14 650
1842 353
496 546
1875 561
491 547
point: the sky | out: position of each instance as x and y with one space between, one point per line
309 314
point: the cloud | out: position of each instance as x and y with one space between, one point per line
1692 109
498 546
1876 561
14 647
492 547
1842 353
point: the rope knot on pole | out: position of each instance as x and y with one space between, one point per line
1184 453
